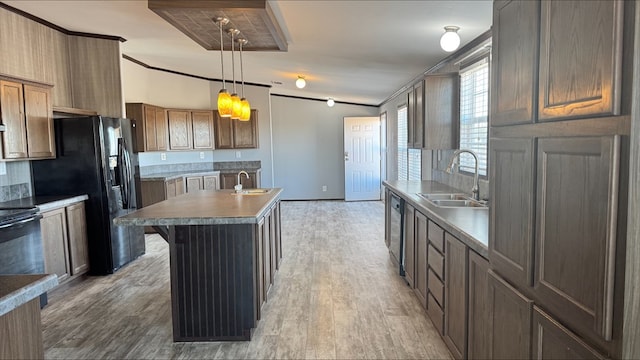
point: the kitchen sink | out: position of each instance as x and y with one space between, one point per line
252 192
453 201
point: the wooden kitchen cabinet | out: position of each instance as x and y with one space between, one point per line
153 191
202 122
53 226
579 76
409 244
151 130
441 111
511 214
206 182
236 134
422 264
513 61
78 242
576 212
455 296
415 116
387 217
228 181
509 319
27 114
479 332
180 129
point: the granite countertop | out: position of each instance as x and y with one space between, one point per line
470 225
204 208
173 175
16 290
44 203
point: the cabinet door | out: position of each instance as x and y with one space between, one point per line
160 129
54 243
78 245
260 289
194 183
266 252
245 133
551 340
576 230
149 131
511 212
211 182
202 129
223 131
39 119
14 138
411 113
580 59
514 65
180 129
418 115
509 320
421 258
455 296
180 186
387 217
278 233
170 188
441 111
479 331
227 181
409 257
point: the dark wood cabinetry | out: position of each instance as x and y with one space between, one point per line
235 134
202 129
580 59
441 111
268 254
455 295
514 66
228 181
27 115
409 244
415 116
180 129
206 182
479 332
151 129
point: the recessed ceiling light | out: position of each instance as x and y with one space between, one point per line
301 82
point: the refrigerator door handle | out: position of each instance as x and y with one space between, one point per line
122 169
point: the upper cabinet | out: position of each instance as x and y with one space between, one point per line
580 59
514 66
151 130
236 134
441 111
190 129
415 116
27 115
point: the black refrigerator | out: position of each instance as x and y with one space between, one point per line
96 156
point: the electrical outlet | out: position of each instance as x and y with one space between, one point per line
201 154
163 156
324 187
3 168
238 154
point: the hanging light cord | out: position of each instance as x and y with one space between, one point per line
233 62
221 51
241 41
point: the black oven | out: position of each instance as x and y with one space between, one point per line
21 243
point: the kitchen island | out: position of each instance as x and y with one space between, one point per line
224 251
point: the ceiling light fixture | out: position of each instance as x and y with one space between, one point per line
301 82
225 105
331 102
245 112
237 104
450 40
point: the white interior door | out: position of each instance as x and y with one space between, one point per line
361 158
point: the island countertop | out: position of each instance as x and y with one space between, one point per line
204 208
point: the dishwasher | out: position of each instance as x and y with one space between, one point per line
396 230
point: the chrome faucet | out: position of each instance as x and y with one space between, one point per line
238 186
475 190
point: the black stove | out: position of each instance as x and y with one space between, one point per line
13 215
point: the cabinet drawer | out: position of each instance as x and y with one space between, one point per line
436 236
436 262
435 314
436 287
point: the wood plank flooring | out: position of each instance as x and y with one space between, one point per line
336 296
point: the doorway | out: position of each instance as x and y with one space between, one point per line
362 158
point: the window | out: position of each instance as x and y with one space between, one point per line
409 160
474 109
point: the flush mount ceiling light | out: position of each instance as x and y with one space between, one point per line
236 109
225 105
301 82
331 102
245 112
450 40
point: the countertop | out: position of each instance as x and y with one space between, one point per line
470 225
174 175
44 203
16 290
205 207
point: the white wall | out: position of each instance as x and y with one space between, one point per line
308 146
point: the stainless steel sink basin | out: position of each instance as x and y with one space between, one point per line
252 192
455 200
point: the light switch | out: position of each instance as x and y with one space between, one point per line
238 154
201 154
3 168
163 156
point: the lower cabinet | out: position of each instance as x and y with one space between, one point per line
422 264
229 180
455 296
207 182
64 240
409 258
479 333
268 254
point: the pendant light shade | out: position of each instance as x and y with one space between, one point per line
245 113
224 99
450 40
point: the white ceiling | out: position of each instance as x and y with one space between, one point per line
354 51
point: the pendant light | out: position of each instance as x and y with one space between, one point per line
224 99
245 114
236 109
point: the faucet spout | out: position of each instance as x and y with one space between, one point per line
238 186
475 190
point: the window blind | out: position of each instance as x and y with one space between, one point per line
474 109
409 160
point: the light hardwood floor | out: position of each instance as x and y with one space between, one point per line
335 296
